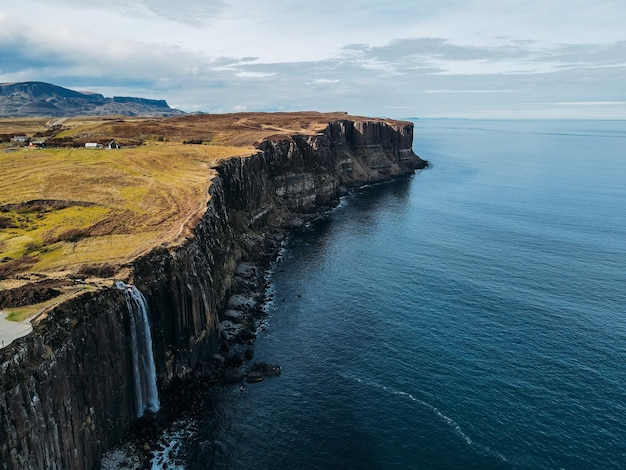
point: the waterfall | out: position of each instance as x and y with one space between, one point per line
146 393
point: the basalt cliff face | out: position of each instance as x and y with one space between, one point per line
67 392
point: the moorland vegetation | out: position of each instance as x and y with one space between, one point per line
67 211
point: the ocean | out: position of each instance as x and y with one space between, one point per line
470 316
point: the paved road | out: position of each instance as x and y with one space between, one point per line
11 330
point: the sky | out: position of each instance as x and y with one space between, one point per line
401 58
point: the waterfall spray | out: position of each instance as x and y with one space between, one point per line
146 393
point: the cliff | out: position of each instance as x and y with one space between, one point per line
44 99
67 390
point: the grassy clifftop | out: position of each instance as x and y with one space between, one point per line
63 208
77 211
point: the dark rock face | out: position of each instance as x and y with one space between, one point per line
39 292
67 390
44 99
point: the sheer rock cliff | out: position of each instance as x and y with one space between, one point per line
67 390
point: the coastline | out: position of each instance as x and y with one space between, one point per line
189 399
200 327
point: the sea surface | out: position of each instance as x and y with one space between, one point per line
470 316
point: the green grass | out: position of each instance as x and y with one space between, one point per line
120 202
138 197
19 314
23 313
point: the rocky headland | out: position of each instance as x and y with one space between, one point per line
45 99
68 390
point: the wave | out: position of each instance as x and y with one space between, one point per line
167 455
450 422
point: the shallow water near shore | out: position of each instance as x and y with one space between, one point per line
471 316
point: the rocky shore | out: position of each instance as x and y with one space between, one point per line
67 390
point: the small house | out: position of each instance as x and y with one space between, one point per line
93 145
20 138
113 145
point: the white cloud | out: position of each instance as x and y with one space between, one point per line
466 91
192 12
592 103
253 74
434 57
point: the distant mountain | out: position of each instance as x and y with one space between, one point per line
44 99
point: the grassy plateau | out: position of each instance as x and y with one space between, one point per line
67 211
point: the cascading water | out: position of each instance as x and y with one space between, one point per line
146 393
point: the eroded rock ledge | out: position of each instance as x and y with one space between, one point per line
66 391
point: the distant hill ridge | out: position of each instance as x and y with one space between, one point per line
25 99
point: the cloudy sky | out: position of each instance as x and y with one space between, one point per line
401 58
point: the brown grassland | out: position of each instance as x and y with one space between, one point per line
67 211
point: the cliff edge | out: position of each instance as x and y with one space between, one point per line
67 391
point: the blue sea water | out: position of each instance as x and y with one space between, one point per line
471 316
